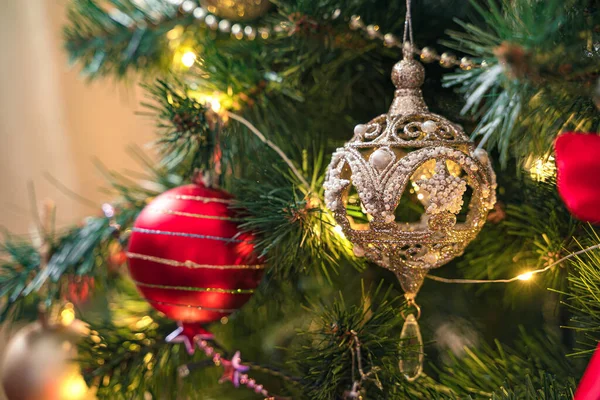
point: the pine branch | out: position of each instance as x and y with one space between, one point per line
582 296
115 37
188 133
536 366
326 357
295 232
539 76
546 387
126 361
22 260
125 354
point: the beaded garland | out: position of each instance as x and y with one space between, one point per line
410 144
215 13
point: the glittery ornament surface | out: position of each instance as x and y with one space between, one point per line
410 145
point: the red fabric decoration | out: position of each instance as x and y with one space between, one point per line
589 386
578 165
189 259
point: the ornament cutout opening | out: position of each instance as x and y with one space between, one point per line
409 144
190 261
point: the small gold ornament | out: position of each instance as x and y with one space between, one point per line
237 10
38 363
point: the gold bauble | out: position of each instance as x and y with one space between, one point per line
38 364
410 146
237 10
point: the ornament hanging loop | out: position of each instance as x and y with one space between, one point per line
408 40
412 303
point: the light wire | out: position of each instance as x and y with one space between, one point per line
272 145
521 277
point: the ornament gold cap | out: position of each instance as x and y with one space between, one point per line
411 279
408 76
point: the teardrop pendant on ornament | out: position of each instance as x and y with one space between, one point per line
411 280
411 349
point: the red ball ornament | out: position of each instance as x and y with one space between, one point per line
589 386
190 261
578 169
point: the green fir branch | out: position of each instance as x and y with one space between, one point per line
546 387
295 232
115 37
582 296
187 136
540 72
325 350
536 365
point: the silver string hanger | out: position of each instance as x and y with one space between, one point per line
408 40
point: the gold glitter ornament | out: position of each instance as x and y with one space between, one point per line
410 144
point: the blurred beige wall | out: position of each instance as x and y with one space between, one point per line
52 121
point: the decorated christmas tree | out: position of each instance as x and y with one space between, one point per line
345 200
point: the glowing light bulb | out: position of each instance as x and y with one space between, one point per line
420 196
525 276
210 100
188 58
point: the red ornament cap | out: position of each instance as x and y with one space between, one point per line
189 334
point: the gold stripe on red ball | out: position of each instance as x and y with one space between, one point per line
191 264
185 214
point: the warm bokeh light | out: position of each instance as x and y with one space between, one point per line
188 58
215 105
211 100
73 386
67 315
541 169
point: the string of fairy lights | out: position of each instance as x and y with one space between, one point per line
525 276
